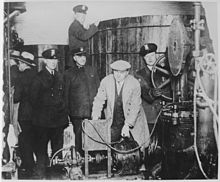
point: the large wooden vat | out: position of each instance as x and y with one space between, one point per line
122 38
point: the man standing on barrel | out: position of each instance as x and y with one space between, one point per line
78 33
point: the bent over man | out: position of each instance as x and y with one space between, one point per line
123 95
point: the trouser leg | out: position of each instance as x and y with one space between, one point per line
41 137
77 128
56 137
25 145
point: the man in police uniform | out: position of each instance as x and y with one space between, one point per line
81 85
50 116
150 95
77 33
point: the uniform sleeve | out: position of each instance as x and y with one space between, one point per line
66 91
97 80
145 89
135 105
81 33
18 90
99 101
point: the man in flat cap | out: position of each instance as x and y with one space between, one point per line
81 86
123 95
50 114
78 33
27 72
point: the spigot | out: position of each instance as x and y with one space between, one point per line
175 115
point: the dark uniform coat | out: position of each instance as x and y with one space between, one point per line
81 86
79 36
47 97
21 94
150 103
14 74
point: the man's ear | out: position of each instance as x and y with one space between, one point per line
45 61
74 57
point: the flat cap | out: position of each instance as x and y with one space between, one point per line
27 58
80 9
50 54
120 65
147 48
79 51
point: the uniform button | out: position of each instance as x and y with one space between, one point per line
51 88
52 95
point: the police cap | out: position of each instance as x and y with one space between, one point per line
80 9
147 48
50 54
79 51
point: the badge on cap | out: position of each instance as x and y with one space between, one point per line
83 8
52 52
146 47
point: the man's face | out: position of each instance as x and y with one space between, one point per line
21 66
51 63
150 58
120 75
80 17
80 59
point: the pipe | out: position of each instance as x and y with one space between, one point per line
14 13
205 139
197 19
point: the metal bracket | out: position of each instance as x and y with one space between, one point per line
197 25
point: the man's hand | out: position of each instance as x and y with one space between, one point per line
156 92
97 22
12 62
95 118
125 131
86 26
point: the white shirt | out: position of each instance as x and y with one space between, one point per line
50 71
150 67
119 86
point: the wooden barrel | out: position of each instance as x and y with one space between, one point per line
122 38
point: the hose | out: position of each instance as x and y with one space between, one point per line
121 151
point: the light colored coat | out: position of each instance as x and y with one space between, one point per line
131 98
